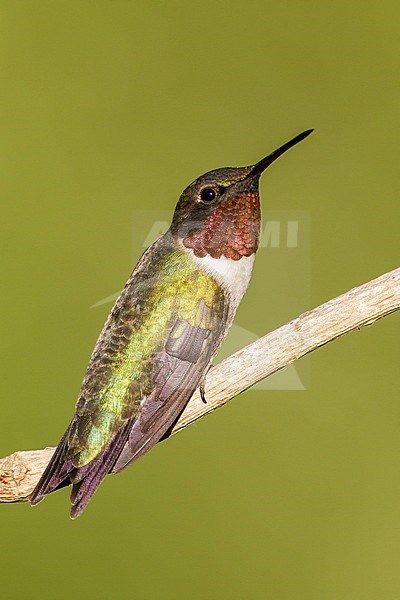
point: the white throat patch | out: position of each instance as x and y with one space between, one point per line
232 275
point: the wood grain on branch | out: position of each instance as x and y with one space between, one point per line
361 306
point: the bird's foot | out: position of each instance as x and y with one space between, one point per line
202 387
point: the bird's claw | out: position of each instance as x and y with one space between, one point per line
202 387
203 393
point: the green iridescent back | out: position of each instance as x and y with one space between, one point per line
165 286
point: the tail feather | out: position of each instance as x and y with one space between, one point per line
54 474
61 472
85 486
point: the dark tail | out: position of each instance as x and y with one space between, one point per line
55 473
85 480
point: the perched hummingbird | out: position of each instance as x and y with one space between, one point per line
163 331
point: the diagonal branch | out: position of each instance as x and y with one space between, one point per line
361 306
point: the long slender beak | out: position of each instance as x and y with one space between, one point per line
259 167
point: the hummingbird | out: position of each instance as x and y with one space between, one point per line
163 331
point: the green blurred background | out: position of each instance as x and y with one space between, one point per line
109 107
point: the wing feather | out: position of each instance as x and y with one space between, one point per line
178 371
130 399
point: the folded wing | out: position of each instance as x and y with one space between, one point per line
175 371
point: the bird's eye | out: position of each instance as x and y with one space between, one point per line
208 194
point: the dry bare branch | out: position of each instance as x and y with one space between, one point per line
361 306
